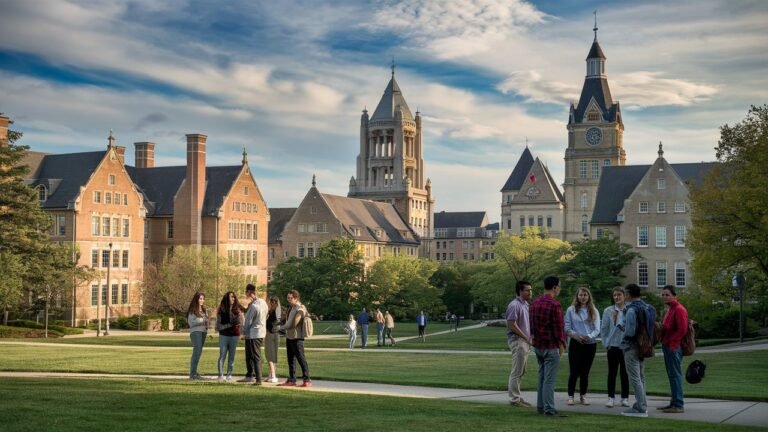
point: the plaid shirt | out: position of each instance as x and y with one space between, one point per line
547 329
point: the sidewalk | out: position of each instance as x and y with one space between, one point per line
746 413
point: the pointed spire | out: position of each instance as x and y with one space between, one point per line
595 28
245 156
393 66
661 151
314 180
111 140
526 142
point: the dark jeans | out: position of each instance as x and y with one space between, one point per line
616 364
672 360
421 331
295 349
580 358
253 358
364 334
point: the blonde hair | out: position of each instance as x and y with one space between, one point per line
590 306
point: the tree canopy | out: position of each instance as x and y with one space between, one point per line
597 265
403 285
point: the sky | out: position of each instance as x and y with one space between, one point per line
288 80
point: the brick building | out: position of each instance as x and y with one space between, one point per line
463 236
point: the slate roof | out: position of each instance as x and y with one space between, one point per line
552 183
618 182
459 219
278 217
492 227
64 174
391 98
596 88
596 51
516 179
369 216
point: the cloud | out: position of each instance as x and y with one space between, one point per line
153 118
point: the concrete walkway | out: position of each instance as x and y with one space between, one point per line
744 413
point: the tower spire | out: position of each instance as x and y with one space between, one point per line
661 151
393 66
245 156
111 139
594 29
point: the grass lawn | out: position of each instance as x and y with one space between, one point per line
737 375
128 405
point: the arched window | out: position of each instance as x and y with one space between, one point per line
42 193
584 203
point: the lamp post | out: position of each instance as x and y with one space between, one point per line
738 283
109 292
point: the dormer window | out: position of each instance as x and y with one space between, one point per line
112 180
593 116
42 193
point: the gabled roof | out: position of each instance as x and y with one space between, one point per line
516 179
278 217
618 182
598 89
459 219
370 216
391 99
68 172
538 180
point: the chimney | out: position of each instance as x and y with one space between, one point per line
120 150
195 184
3 131
145 155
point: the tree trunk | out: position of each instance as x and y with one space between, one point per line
5 315
46 318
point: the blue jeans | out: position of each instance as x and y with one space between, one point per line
672 360
364 334
549 360
227 348
352 337
636 372
379 334
198 339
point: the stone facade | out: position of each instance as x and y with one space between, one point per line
463 236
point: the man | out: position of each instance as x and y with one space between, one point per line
294 341
519 340
675 327
362 321
254 331
548 340
389 324
635 365
421 322
379 327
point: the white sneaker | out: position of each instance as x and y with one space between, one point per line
609 404
272 380
570 401
625 402
584 400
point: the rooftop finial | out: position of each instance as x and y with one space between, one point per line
111 139
393 66
314 181
245 156
595 28
526 142
661 151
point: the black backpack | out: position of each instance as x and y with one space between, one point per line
695 372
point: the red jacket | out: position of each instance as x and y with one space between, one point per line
675 325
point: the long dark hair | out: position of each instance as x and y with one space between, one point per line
195 307
234 308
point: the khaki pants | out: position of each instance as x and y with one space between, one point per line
519 349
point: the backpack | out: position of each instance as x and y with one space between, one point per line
646 331
695 372
307 326
688 343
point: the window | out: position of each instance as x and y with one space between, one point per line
661 183
125 259
104 289
61 225
584 224
248 231
661 236
126 227
107 197
595 169
642 236
94 295
540 221
112 179
661 207
680 274
116 258
441 232
114 294
42 193
600 233
125 199
465 256
530 220
549 221
310 249
169 229
584 200
255 255
124 294
255 231
242 257
522 221
94 258
606 162
582 169
300 250
643 207
661 274
679 206
105 226
312 210
97 197
642 274
302 228
680 235
245 190
116 227
95 225
146 229
593 116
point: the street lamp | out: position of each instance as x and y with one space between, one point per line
738 283
109 293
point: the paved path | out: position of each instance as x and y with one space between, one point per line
745 413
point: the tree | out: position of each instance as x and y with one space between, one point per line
730 207
402 285
456 280
597 264
529 256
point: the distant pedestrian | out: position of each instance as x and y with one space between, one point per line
254 331
612 333
197 317
351 328
379 327
294 341
457 321
675 327
548 334
389 324
421 322
272 341
362 320
229 318
582 324
635 364
519 340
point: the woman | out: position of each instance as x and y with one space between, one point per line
675 327
197 317
272 341
582 324
611 331
389 324
351 328
229 317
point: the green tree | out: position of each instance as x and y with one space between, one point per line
597 264
402 284
730 207
456 280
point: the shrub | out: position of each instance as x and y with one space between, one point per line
24 332
725 324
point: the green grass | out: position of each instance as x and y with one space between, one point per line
135 405
737 375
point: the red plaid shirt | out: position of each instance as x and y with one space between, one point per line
547 329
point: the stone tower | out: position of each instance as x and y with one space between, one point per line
595 140
390 166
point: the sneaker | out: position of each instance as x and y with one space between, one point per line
584 401
198 377
221 379
520 403
609 404
625 403
570 400
662 408
635 413
246 379
257 383
673 410
272 380
307 383
288 384
228 378
554 413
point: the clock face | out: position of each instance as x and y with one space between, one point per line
594 136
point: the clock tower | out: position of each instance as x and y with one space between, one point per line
595 140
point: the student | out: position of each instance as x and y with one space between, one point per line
629 345
294 341
362 321
611 333
197 317
519 340
675 327
254 331
272 341
379 327
351 328
421 321
389 324
548 337
582 324
228 320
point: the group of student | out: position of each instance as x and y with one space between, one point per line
385 323
542 325
259 324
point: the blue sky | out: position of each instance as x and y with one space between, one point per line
288 80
